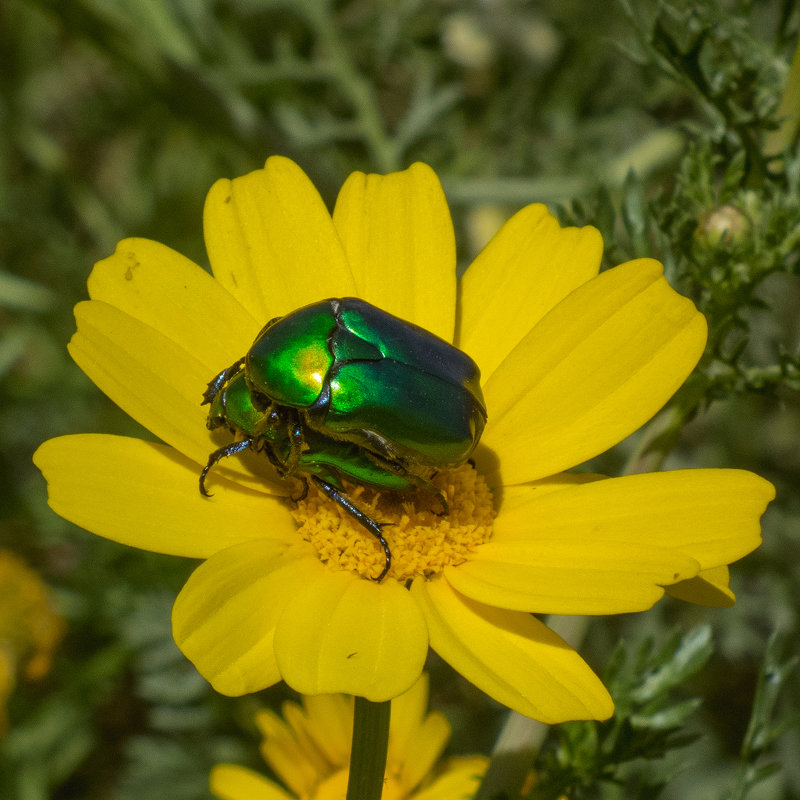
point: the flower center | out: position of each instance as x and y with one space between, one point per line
422 539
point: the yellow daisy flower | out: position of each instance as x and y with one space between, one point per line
309 750
30 630
572 362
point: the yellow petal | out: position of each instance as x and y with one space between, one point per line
408 712
297 765
398 235
346 634
271 241
511 656
507 497
424 750
530 266
171 294
159 384
225 616
709 588
146 495
231 782
597 367
305 736
709 515
416 738
460 781
330 722
574 575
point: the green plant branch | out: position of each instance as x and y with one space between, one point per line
788 113
358 91
370 747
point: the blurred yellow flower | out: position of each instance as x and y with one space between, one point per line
309 750
29 629
572 360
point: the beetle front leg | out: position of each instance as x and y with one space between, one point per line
229 450
359 516
280 435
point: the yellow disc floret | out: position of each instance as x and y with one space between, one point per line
422 539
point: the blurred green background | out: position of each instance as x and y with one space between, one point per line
654 121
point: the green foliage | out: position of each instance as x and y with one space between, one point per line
726 224
654 121
649 723
644 746
762 730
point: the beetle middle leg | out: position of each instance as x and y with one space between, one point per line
425 484
359 516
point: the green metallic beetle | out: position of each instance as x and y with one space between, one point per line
341 390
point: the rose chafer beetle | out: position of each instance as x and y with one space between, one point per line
341 390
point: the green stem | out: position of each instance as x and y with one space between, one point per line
788 113
370 746
359 92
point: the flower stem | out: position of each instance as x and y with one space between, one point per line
788 113
370 746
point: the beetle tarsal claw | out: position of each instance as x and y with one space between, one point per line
442 498
303 492
223 452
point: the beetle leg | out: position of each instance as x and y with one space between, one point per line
269 450
217 383
304 493
359 516
280 435
296 442
421 482
229 450
380 446
442 498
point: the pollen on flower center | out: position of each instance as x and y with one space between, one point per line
422 539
